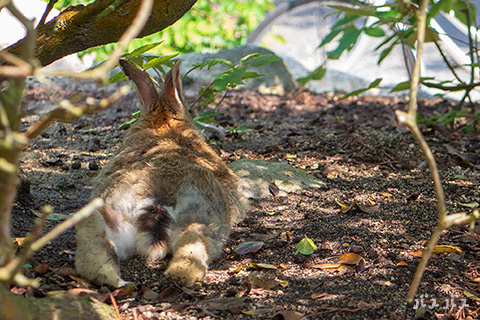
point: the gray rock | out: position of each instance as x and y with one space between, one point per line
277 79
257 175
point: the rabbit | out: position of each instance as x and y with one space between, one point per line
165 190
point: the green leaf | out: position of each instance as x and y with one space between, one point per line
237 76
346 42
250 75
405 85
221 82
385 53
372 85
250 56
374 32
117 77
264 59
351 10
160 60
52 216
142 50
305 247
316 74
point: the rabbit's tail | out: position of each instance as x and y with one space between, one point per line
192 249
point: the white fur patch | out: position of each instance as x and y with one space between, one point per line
124 239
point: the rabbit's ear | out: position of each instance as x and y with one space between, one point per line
146 91
172 90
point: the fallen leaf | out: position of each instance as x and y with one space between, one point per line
372 202
123 291
260 266
273 189
344 208
149 294
444 248
471 205
318 295
350 258
332 174
170 294
42 269
20 241
305 247
82 282
290 156
249 247
231 304
477 279
367 209
52 216
283 283
257 312
282 266
402 264
286 235
66 271
418 253
386 194
262 280
326 266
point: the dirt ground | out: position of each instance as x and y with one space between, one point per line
355 146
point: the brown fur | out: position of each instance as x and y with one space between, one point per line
166 189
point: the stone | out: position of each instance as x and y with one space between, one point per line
257 175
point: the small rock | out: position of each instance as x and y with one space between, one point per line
372 254
76 164
65 167
92 147
96 141
356 248
92 165
54 162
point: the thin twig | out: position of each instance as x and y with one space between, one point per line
49 8
66 111
133 30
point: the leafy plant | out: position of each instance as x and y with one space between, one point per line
231 78
210 25
395 22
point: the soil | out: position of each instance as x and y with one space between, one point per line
354 145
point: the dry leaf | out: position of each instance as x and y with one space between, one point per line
290 156
402 264
386 194
477 279
42 269
149 294
170 294
368 209
260 266
471 205
262 280
249 247
231 304
418 253
344 208
257 312
350 258
444 248
66 271
326 266
286 236
273 189
123 291
332 174
318 295
283 283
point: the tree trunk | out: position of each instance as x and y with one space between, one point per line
82 27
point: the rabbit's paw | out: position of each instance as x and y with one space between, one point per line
188 271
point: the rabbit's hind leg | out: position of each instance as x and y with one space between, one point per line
154 228
96 258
